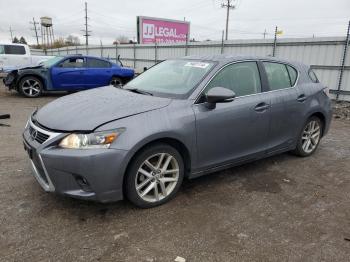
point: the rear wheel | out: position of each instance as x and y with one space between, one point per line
154 176
116 82
310 137
30 86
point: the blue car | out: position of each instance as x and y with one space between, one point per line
70 73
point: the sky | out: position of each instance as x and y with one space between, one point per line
109 19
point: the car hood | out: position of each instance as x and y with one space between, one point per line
87 110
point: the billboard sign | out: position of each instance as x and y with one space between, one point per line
158 30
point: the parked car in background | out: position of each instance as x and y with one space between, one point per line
14 56
70 73
181 118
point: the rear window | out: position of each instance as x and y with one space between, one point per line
97 63
14 50
313 76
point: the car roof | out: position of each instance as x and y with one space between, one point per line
86 56
225 58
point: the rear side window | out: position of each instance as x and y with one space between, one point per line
97 63
277 75
313 76
242 78
293 75
14 50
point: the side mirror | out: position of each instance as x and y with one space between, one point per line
219 95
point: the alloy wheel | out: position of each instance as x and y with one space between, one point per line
31 87
311 136
157 177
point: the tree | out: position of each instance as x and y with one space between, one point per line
22 40
59 42
72 40
15 40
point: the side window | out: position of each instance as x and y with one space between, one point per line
74 62
242 78
313 76
277 75
97 63
2 50
14 50
293 75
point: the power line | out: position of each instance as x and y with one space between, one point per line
34 23
228 6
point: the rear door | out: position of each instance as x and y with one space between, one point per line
69 74
238 130
98 72
286 112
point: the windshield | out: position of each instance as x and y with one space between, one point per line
173 78
51 61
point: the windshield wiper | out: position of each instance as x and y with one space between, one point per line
139 91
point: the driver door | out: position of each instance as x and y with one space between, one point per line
234 131
69 74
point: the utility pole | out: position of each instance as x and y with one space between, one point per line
11 32
86 26
228 5
275 42
34 23
265 33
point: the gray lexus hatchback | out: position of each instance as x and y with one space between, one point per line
181 118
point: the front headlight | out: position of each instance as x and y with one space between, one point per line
93 140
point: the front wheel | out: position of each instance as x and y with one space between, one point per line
154 176
310 137
30 86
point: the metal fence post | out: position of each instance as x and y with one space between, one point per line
343 62
116 52
222 42
101 49
59 53
274 43
76 49
155 53
67 49
134 48
186 46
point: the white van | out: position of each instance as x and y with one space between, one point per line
13 56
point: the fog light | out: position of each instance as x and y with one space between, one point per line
83 183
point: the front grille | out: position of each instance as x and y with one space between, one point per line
37 135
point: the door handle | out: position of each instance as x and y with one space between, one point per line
261 107
301 98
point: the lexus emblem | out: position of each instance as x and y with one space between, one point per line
33 134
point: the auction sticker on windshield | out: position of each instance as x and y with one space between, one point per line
197 64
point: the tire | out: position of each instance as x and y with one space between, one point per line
312 132
30 86
116 82
155 187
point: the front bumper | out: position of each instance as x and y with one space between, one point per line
10 80
91 174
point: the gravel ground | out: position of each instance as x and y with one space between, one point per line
283 208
